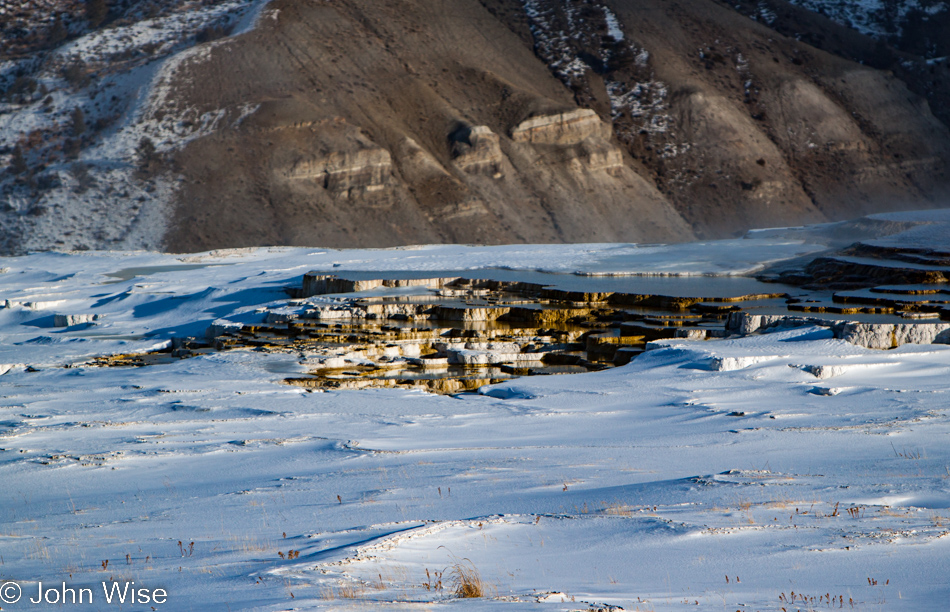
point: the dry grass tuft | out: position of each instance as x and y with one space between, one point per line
465 580
345 591
618 509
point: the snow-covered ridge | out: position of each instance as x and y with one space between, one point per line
117 78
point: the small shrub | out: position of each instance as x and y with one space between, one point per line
80 172
147 155
45 182
57 33
72 147
96 12
75 73
104 122
18 164
78 119
23 87
213 33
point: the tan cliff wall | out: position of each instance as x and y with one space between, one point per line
413 121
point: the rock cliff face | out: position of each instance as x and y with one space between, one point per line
578 139
412 127
360 123
562 128
366 168
477 150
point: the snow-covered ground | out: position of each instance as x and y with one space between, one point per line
784 471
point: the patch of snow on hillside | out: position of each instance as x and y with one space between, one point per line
766 14
644 102
120 80
553 45
638 105
613 25
148 37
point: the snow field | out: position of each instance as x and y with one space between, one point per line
703 476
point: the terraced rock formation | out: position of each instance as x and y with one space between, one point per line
452 334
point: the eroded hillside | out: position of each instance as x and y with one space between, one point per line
360 123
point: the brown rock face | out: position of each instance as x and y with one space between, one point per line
477 150
411 121
561 128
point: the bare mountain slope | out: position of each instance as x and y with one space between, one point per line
722 122
377 123
843 138
388 123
